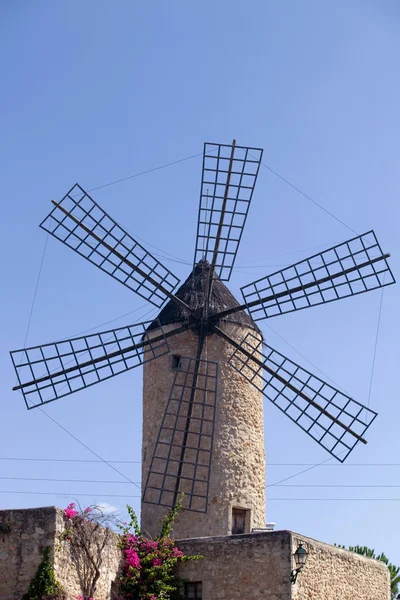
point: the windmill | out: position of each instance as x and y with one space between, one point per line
204 338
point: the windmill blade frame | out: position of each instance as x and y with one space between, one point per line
81 224
333 419
182 455
350 268
229 175
64 367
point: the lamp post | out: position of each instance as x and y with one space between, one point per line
300 559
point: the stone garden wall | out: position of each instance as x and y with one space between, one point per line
240 567
247 567
335 574
25 533
23 536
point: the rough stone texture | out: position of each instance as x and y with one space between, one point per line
21 552
238 462
247 567
241 567
108 561
335 574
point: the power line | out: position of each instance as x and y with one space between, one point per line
50 479
65 494
67 480
336 499
327 485
334 465
73 460
130 462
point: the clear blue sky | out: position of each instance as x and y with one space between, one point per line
97 91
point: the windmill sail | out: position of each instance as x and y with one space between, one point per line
181 460
329 416
228 179
51 371
348 269
80 223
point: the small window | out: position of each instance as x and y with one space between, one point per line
193 590
239 518
176 361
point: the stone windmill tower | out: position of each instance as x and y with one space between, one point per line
206 367
235 470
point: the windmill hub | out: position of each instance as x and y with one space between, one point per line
202 325
203 306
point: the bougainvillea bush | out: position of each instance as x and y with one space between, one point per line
149 565
148 569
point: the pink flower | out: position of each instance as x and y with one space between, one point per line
150 545
88 510
176 553
132 559
70 511
132 539
157 562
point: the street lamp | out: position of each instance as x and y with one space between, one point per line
300 559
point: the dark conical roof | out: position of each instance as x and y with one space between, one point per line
192 292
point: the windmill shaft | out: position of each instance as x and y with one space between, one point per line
301 287
105 357
286 383
124 259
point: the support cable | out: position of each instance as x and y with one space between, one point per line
376 344
36 289
308 197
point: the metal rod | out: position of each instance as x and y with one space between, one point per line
223 209
189 415
219 231
299 288
124 259
106 357
262 365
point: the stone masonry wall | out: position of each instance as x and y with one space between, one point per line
258 566
236 567
71 575
335 574
21 552
238 460
241 567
